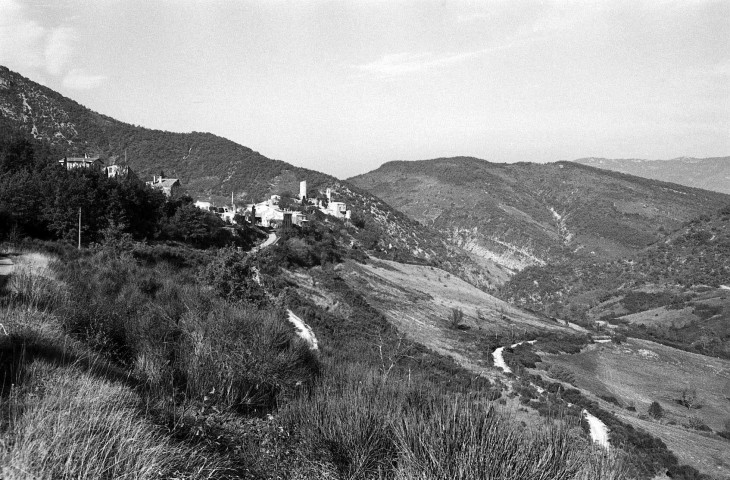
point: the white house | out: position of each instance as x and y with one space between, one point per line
81 162
268 214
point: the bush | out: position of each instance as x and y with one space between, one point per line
242 358
370 428
457 316
655 410
233 277
696 423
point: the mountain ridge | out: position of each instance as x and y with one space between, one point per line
711 173
524 214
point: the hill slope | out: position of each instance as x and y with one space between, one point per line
674 292
207 165
708 173
531 214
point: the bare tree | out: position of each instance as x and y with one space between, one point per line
391 355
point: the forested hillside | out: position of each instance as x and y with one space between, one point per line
678 282
207 165
531 214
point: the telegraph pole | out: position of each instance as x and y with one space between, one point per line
79 228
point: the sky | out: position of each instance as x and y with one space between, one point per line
343 87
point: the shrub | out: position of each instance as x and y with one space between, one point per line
242 357
655 410
233 277
457 316
689 398
610 399
696 423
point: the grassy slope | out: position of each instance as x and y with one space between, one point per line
481 204
359 421
639 372
419 301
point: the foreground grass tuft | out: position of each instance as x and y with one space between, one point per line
64 423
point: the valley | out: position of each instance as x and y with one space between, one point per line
538 307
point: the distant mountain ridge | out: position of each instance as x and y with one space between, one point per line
526 214
707 173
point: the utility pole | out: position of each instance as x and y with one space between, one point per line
79 228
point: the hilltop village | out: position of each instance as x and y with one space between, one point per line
270 213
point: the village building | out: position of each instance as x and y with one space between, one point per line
119 172
268 214
169 186
82 162
335 209
204 205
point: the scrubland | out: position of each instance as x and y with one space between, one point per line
144 363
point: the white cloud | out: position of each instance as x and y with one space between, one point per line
26 45
59 49
21 38
401 63
78 79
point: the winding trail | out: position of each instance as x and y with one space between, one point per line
272 239
599 431
498 357
303 330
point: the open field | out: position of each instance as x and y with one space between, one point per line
419 301
639 372
707 453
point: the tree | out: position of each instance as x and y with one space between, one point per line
655 410
456 317
689 398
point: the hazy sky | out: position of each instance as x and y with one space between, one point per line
342 87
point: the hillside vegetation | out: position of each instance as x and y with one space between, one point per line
209 167
671 292
524 214
188 369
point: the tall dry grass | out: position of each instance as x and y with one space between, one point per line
66 424
372 427
34 289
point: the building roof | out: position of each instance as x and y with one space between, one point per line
80 159
165 182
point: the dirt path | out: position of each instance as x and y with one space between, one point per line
35 262
6 265
268 242
498 357
303 330
599 431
